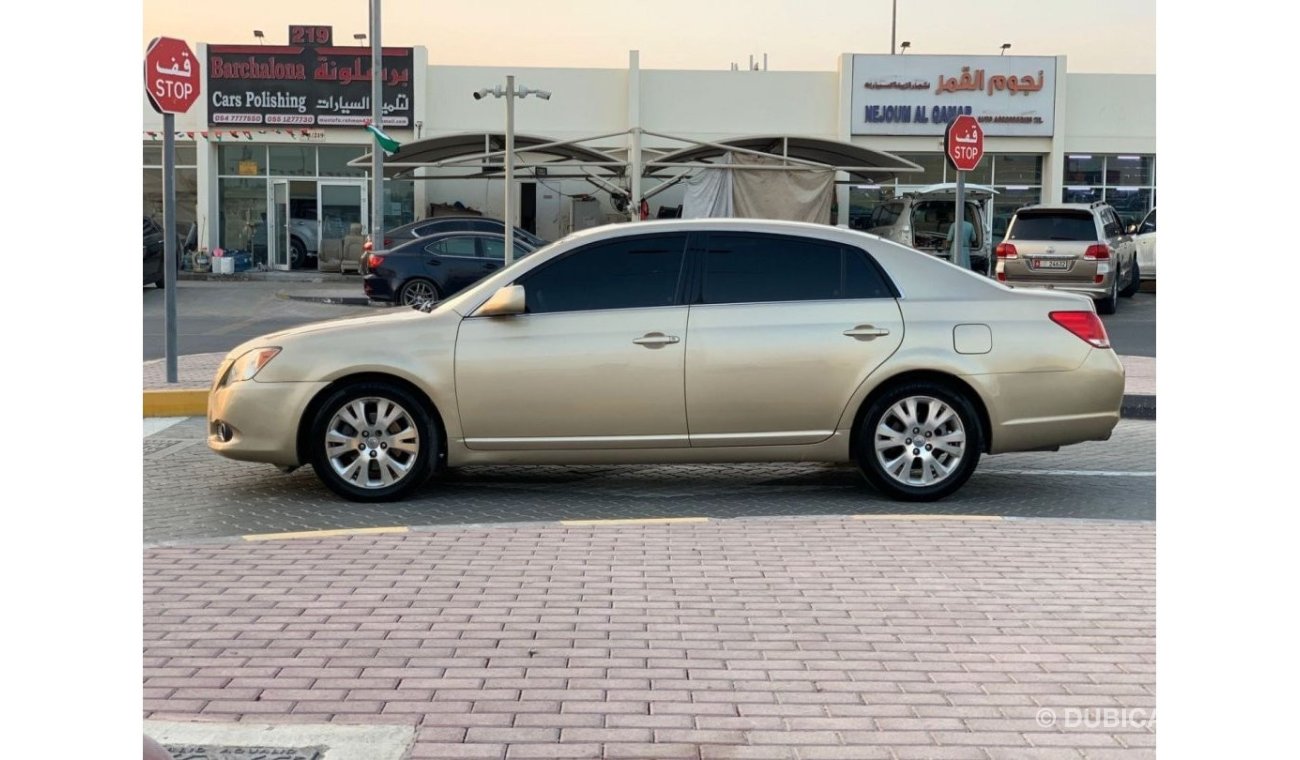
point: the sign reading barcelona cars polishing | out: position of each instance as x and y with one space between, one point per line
306 86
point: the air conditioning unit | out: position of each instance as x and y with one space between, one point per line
585 213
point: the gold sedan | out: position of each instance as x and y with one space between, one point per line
712 340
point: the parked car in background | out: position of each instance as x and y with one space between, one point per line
1146 246
921 220
437 224
1076 247
435 267
701 340
304 242
153 253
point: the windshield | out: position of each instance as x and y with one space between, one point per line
1053 225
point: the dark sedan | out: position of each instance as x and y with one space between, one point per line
435 267
153 253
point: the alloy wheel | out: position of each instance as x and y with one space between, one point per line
418 291
372 442
920 441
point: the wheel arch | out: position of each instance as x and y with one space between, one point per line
951 381
313 406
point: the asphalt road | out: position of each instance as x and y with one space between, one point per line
192 493
217 316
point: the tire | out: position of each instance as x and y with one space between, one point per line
297 253
910 475
417 289
1134 282
1107 305
385 465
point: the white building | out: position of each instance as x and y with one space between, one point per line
1051 135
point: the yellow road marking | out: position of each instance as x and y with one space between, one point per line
639 521
985 518
326 533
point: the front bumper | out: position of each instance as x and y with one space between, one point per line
262 420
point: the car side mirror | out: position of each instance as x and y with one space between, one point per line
505 302
1132 229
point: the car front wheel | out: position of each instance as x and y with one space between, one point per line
373 441
919 442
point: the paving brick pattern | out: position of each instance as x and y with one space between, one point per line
190 492
759 638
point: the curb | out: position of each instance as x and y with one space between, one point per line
1138 407
189 402
266 277
344 300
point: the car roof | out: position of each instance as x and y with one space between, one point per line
1062 207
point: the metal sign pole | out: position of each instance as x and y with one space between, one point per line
169 241
960 253
376 118
508 211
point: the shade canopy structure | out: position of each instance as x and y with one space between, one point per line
477 155
862 164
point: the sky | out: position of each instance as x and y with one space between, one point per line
797 35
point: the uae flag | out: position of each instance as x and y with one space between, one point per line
389 145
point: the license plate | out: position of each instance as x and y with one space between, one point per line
1051 264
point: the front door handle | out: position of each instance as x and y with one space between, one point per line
655 340
866 332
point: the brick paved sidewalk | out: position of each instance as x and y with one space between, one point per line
760 638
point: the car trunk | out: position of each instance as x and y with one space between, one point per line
933 213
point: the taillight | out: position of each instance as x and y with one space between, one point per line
1097 252
1006 251
1084 324
367 246
374 261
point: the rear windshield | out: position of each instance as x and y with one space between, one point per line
1052 225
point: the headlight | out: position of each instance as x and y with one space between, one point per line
247 366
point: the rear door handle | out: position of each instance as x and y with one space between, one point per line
866 332
655 340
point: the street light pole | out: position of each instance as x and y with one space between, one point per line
893 28
508 206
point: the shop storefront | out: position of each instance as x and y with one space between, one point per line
277 127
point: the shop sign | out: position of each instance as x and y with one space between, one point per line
248 168
305 86
920 95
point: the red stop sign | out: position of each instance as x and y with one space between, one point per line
964 143
171 75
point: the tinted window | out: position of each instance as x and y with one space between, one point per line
619 274
494 248
742 268
861 278
1053 225
1150 224
453 246
1111 223
886 214
441 226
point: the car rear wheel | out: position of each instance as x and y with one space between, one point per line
297 253
418 291
373 441
1134 282
1107 305
919 441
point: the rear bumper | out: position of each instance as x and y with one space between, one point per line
1095 290
378 288
1043 409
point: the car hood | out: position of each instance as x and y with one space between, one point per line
399 341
